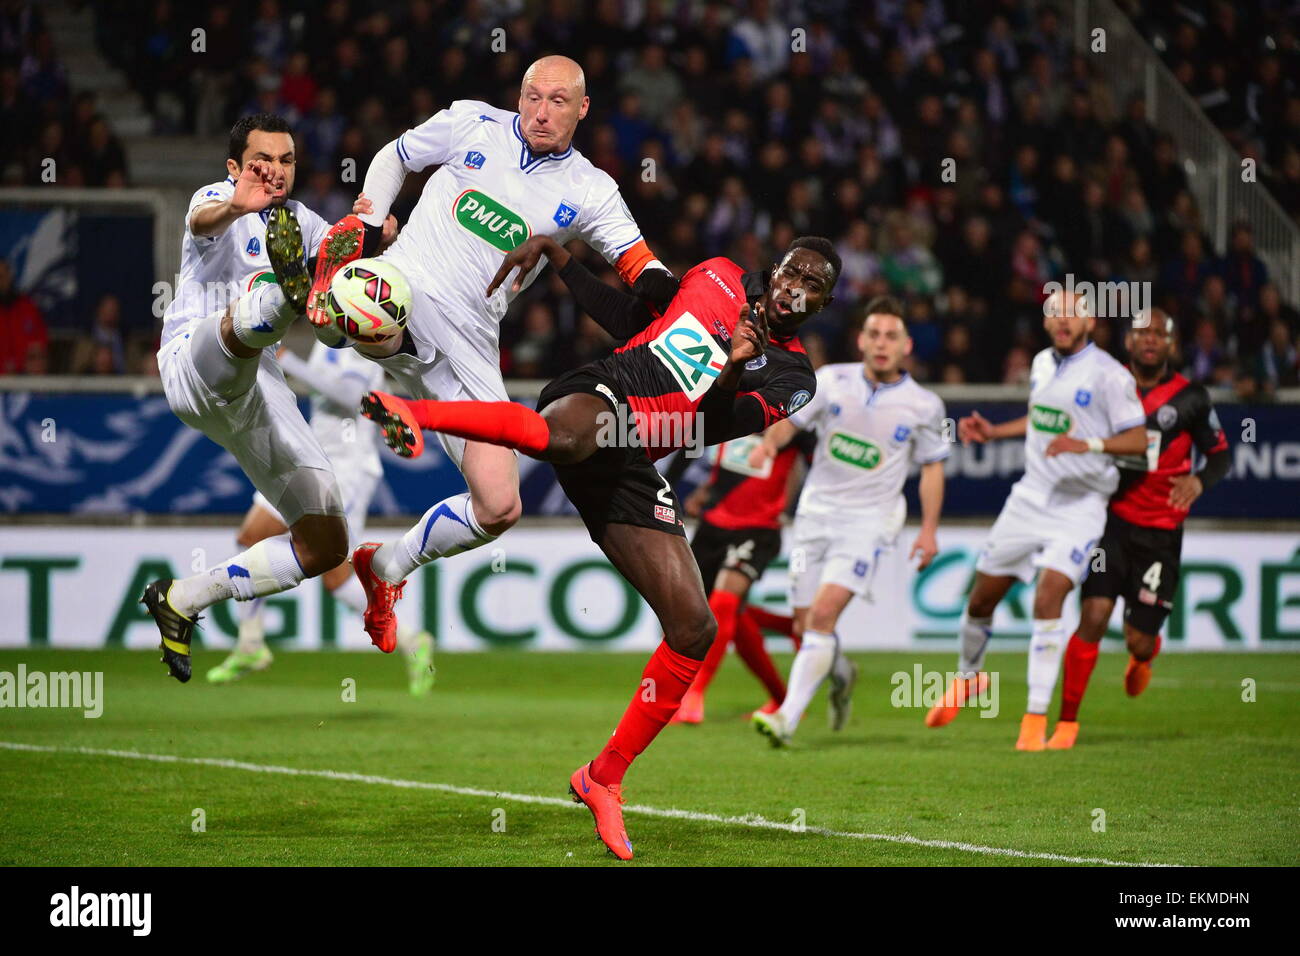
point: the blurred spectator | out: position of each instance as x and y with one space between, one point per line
1279 363
103 352
24 341
1204 354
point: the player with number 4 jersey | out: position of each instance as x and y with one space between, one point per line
1143 541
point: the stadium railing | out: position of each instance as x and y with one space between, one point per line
1214 169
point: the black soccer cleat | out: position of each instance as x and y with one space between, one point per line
284 247
175 629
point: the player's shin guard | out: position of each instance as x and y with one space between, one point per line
725 607
448 528
1080 659
812 665
1046 646
498 423
664 682
751 650
268 567
975 634
261 317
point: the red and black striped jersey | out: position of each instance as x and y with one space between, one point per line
1180 417
666 369
748 497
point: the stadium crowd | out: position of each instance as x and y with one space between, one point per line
725 141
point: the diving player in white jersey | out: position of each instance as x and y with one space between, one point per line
1083 409
221 378
503 178
872 421
338 379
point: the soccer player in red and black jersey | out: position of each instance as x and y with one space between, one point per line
709 357
738 536
1143 541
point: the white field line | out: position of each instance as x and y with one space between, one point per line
753 821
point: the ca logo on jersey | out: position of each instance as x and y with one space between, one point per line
489 220
854 451
691 354
1050 420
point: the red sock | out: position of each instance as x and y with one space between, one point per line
726 608
1080 659
771 622
1156 652
749 646
665 679
498 423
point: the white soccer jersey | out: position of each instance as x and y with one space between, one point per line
351 441
490 194
213 268
1086 395
867 438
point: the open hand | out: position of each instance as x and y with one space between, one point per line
749 340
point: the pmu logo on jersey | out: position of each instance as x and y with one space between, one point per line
691 354
1050 420
489 220
853 450
474 159
254 247
565 213
1083 398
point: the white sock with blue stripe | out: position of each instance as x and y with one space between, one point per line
262 316
448 528
268 567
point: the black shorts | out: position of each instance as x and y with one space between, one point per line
616 485
1142 566
747 550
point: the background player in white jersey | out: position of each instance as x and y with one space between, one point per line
1083 408
872 422
338 379
503 178
221 378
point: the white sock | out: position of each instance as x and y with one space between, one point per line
811 666
975 633
261 317
252 632
268 567
448 528
1046 647
351 594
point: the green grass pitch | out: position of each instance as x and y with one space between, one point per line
1188 773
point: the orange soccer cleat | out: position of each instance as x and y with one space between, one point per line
691 710
1136 676
1033 732
379 618
402 433
958 692
341 245
606 805
1064 736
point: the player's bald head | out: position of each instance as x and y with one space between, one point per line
556 70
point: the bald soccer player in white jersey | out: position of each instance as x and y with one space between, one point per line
338 378
872 422
220 375
503 177
1083 410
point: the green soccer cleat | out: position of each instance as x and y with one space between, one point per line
284 248
419 665
240 663
773 727
175 629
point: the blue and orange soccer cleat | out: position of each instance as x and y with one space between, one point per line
402 433
606 806
340 246
379 618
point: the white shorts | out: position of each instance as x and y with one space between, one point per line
847 553
357 486
263 429
1031 534
448 372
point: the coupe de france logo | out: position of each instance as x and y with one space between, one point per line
754 364
798 400
254 247
474 159
565 214
1083 398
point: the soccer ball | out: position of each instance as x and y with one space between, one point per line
369 301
